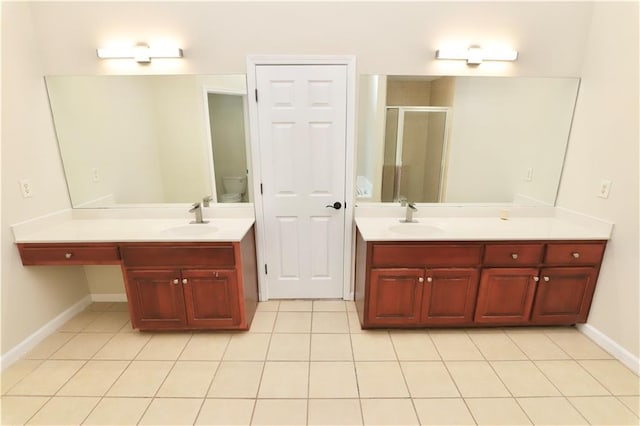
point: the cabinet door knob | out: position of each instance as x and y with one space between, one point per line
420 280
575 255
429 279
175 281
184 281
546 279
68 255
536 279
514 256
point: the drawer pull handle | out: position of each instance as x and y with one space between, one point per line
175 281
68 255
546 279
429 279
184 281
536 279
514 256
575 255
420 280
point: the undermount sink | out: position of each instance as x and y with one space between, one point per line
416 229
193 229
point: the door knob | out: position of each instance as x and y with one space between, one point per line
337 205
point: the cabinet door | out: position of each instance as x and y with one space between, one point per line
449 296
395 296
505 295
211 298
155 298
564 295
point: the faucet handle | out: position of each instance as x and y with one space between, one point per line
403 201
194 207
206 201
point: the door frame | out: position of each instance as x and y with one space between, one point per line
253 61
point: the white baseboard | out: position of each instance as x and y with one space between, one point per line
45 331
108 297
611 346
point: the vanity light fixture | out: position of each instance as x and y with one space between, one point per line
141 53
474 55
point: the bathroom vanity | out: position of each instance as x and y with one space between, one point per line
177 276
475 272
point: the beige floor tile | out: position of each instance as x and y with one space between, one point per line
354 323
330 322
64 410
16 410
108 322
289 347
381 380
476 379
141 378
496 345
633 402
441 411
263 322
284 380
571 379
295 306
123 346
268 306
331 347
372 347
497 411
293 322
80 321
118 411
205 347
351 306
188 379
172 411
99 306
617 378
536 345
236 380
576 344
551 411
523 378
47 378
119 307
604 411
388 412
226 412
50 345
334 412
455 345
332 380
329 306
428 379
128 328
94 378
82 346
164 347
247 347
16 372
280 412
414 346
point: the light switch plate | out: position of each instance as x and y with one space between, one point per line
605 187
25 188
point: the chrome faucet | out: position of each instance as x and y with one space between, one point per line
408 218
197 209
206 201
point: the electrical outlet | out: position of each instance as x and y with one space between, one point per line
529 176
95 175
605 187
25 188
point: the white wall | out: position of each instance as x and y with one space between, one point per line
604 145
33 296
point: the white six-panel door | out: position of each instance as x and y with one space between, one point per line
302 140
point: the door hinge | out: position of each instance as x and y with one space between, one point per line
260 188
265 269
256 95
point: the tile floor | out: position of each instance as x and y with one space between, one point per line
307 362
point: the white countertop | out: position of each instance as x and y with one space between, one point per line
479 229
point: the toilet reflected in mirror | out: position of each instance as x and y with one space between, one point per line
234 189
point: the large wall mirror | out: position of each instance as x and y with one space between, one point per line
149 140
462 139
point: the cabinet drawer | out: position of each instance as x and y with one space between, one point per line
574 254
69 254
512 254
413 255
178 255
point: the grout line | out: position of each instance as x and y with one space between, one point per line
404 379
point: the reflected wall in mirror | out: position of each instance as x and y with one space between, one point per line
145 140
462 139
